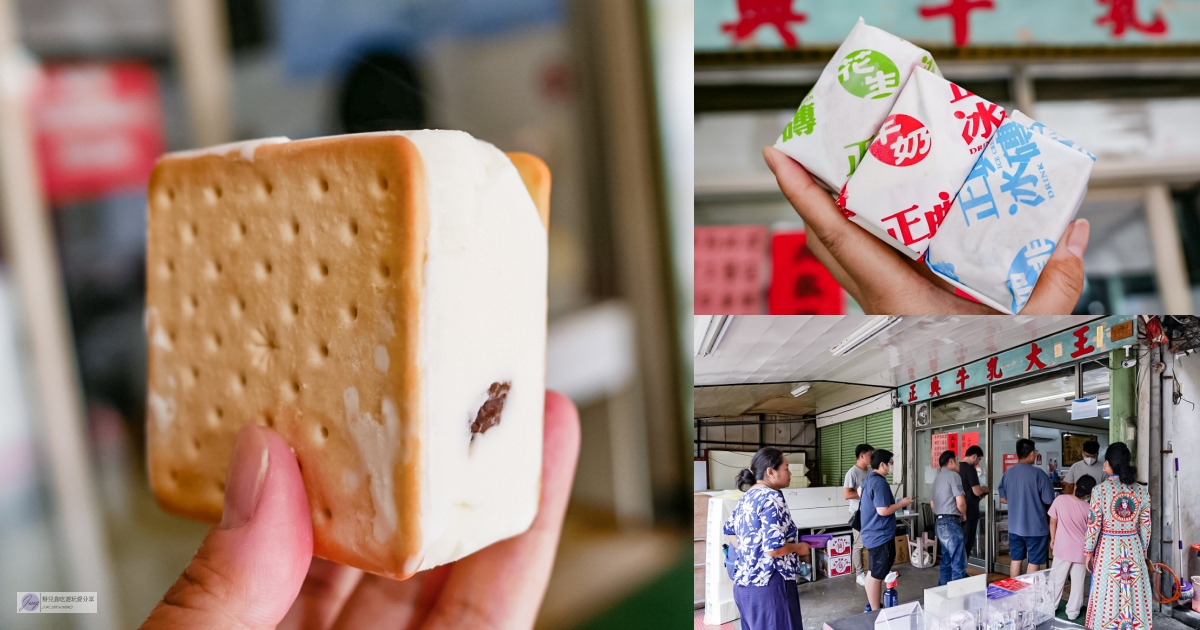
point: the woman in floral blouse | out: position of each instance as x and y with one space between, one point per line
764 582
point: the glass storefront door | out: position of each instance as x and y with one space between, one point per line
1005 433
964 434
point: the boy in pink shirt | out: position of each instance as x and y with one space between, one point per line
1068 525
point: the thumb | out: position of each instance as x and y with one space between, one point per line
1061 281
250 567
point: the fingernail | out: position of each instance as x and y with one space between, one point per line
247 472
1077 240
769 156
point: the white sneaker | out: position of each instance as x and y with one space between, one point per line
861 579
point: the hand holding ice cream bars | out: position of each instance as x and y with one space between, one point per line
936 171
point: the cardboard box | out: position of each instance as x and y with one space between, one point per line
839 545
902 549
834 566
700 513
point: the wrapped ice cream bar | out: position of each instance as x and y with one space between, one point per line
836 121
924 151
1011 213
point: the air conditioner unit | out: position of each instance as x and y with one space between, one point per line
1043 434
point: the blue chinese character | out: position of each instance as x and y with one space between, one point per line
975 197
1021 187
1011 135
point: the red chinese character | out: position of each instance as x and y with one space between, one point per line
1035 358
841 202
912 392
1081 343
755 13
935 388
961 379
981 122
940 210
959 93
959 11
994 371
906 233
1123 13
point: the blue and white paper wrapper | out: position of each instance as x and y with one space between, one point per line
837 120
1011 213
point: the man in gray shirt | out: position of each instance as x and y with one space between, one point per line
1089 465
950 510
851 489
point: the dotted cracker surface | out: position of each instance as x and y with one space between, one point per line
272 283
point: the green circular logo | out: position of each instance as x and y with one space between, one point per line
869 74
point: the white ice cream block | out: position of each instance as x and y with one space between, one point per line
836 121
920 158
1010 215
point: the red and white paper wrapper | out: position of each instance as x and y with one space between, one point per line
920 158
836 121
1011 213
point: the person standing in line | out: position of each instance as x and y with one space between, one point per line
762 531
1090 465
974 493
950 510
879 507
1069 516
851 489
1027 490
1114 549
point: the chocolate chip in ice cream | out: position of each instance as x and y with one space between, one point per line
489 414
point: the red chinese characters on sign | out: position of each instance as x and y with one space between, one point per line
729 269
99 129
937 446
935 388
902 141
962 378
1081 342
912 393
1122 14
753 14
1010 460
959 12
929 220
1035 358
800 284
993 367
966 441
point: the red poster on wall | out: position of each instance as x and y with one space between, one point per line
800 284
729 269
1010 460
966 441
939 446
99 129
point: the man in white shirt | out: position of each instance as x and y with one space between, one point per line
1089 465
852 489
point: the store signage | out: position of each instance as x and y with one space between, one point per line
729 269
943 442
724 25
966 441
1048 352
99 129
800 284
1010 460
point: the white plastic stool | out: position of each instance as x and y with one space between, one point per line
916 549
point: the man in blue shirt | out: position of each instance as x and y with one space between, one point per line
1027 490
878 531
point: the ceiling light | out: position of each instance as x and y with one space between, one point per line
714 331
864 334
1044 399
800 390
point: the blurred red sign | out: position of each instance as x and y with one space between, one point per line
800 284
99 129
1010 460
729 266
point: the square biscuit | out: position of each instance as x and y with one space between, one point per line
379 300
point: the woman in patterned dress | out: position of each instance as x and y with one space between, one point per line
1118 535
761 528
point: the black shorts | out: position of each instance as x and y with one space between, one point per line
881 559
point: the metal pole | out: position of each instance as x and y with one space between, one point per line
29 244
1173 285
1157 539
